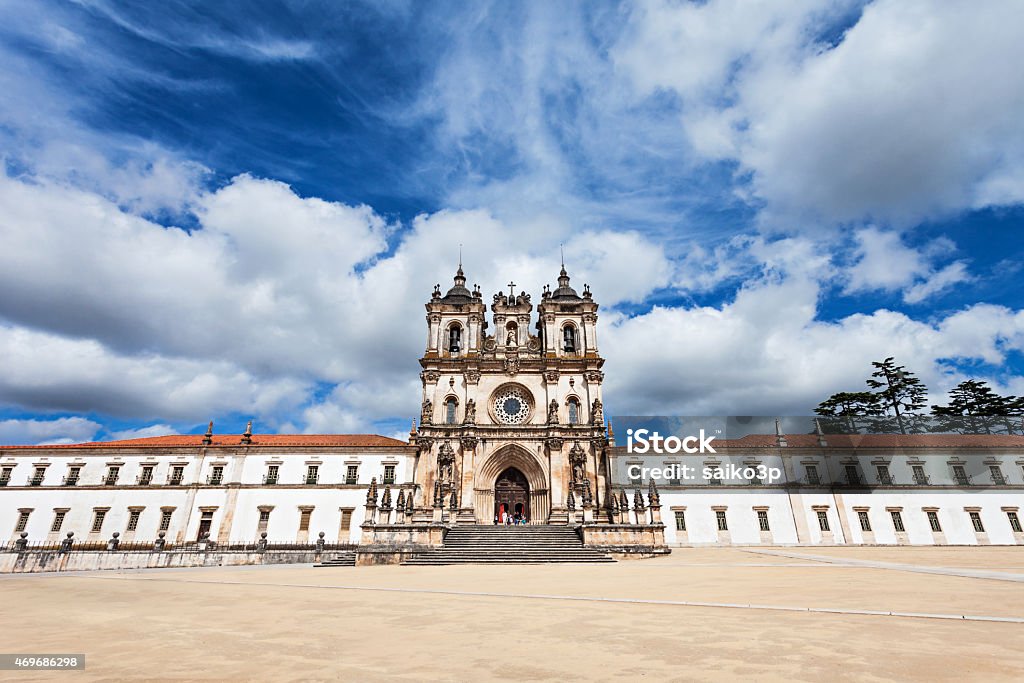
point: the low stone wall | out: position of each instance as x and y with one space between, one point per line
622 540
54 561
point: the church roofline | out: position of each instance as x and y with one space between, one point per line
223 440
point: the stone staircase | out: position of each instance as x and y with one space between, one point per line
530 544
346 558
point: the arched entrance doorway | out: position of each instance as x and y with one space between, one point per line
512 496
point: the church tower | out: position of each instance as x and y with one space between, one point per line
510 421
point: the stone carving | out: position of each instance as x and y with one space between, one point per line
551 376
426 412
512 366
21 543
400 505
490 344
261 545
594 376
588 496
409 505
430 376
160 542
553 412
472 376
320 543
114 541
385 500
554 443
371 493
623 501
570 500
510 340
438 497
470 412
638 500
654 500
597 412
533 344
445 462
454 503
468 442
578 460
65 545
208 436
613 504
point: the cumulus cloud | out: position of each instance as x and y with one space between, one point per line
913 112
56 431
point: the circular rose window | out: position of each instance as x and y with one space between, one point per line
511 406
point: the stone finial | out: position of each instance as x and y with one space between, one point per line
652 494
208 436
613 503
409 506
588 496
570 500
821 435
247 436
780 438
21 543
371 493
385 500
454 503
611 435
413 432
623 501
400 505
638 500
438 496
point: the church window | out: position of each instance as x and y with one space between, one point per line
865 522
680 520
97 520
454 339
762 520
823 520
449 411
897 521
22 520
574 411
133 519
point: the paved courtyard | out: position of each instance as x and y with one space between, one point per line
777 613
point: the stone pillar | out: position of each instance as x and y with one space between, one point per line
67 543
160 542
570 505
638 506
624 513
21 543
438 503
320 542
114 541
654 500
371 503
453 508
384 512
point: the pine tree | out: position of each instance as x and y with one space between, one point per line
899 390
974 408
848 410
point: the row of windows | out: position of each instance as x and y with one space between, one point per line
451 405
862 515
99 515
176 476
166 514
852 476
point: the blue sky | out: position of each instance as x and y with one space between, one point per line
212 211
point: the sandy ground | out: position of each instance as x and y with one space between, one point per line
433 623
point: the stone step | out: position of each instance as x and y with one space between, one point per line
490 544
346 559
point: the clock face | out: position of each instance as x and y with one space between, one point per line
511 406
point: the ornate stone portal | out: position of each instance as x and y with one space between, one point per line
511 422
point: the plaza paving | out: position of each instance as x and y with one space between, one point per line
718 614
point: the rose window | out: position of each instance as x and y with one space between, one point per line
511 406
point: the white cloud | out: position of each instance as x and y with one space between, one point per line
143 432
59 430
767 353
915 112
885 262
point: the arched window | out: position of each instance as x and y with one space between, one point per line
454 339
569 341
449 411
574 411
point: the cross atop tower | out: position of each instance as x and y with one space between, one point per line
512 290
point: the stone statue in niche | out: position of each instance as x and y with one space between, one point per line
427 412
553 412
470 411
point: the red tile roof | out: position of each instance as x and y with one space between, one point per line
196 440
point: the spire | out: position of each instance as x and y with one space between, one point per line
458 294
208 436
780 438
247 436
821 434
